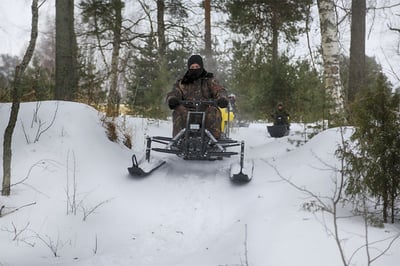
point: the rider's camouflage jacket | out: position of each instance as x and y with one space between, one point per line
204 88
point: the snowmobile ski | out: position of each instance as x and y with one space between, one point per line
145 168
239 174
236 172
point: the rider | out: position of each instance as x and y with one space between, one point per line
281 116
197 84
232 101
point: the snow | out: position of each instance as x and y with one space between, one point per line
185 213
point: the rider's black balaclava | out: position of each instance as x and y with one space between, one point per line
195 59
194 74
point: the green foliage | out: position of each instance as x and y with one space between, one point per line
257 18
308 98
373 165
38 82
259 86
260 77
91 82
100 15
176 9
372 72
151 78
7 69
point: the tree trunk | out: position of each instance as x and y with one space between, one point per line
357 49
66 51
162 45
114 96
385 208
330 54
19 71
278 95
207 35
275 34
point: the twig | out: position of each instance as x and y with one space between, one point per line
16 233
28 141
35 113
16 209
39 133
29 173
245 246
41 3
95 246
86 212
71 202
50 244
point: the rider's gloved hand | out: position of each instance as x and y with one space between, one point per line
173 102
222 102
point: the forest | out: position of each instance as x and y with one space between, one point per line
126 55
131 52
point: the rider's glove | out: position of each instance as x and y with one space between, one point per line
222 102
173 102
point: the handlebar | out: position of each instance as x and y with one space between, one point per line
198 103
194 102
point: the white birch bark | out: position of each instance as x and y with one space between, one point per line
330 53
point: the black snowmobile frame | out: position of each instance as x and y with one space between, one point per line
194 142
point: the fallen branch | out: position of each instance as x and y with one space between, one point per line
16 209
394 29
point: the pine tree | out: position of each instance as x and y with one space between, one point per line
66 51
374 164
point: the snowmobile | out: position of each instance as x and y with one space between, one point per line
194 142
280 128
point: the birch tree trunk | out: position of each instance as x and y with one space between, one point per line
19 71
330 54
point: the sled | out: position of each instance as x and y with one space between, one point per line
194 142
278 131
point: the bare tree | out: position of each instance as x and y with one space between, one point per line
19 71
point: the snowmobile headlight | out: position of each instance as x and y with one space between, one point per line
195 126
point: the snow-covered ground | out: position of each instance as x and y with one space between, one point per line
186 213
